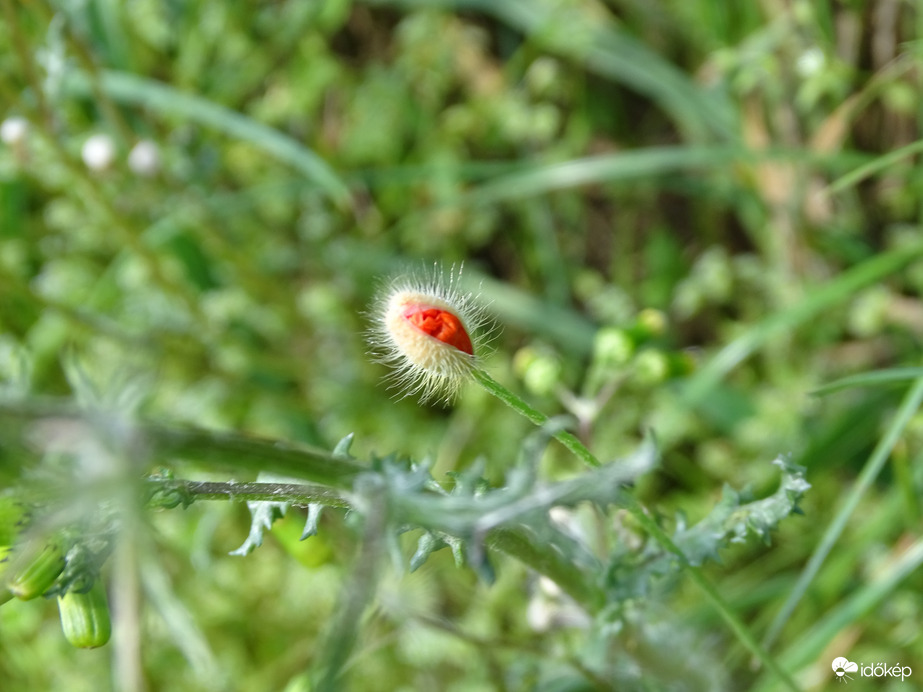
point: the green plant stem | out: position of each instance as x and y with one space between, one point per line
637 510
357 593
817 300
300 495
567 439
711 593
333 474
150 441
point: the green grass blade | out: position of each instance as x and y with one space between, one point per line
164 99
869 473
808 648
630 165
822 298
875 378
612 53
713 596
881 163
608 168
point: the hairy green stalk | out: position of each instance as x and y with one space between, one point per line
566 438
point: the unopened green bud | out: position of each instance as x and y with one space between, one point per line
649 324
613 346
522 359
543 376
85 617
652 366
34 568
540 370
654 322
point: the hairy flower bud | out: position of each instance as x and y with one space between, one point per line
428 330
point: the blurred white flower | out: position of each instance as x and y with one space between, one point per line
810 62
144 158
14 130
98 152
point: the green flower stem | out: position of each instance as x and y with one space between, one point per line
301 461
167 492
567 439
637 510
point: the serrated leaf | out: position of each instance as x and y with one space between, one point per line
736 517
342 447
310 526
428 544
263 514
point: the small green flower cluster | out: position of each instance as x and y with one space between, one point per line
634 353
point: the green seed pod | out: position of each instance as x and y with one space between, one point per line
85 617
539 368
613 347
650 323
34 568
652 367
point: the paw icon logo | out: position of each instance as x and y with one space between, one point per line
841 666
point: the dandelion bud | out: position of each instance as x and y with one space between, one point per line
426 329
98 152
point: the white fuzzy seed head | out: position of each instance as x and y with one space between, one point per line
98 152
14 129
430 332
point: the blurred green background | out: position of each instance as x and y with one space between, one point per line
747 169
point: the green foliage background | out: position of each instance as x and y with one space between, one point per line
749 169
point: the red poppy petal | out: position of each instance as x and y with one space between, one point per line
442 325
